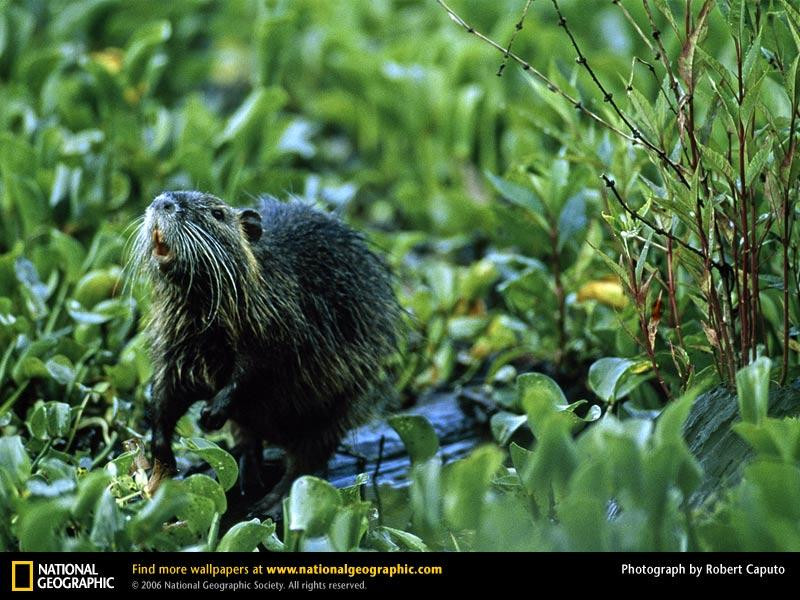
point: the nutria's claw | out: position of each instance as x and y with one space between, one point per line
211 419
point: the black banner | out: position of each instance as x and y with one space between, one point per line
370 572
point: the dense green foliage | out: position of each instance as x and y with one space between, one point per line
640 248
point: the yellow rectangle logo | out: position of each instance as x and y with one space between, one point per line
23 584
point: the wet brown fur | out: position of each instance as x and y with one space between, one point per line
284 316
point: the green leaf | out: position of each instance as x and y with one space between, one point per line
516 194
388 539
736 17
97 285
752 390
775 439
606 376
59 419
554 457
197 513
251 114
14 460
718 162
167 503
572 222
669 427
90 489
540 397
349 527
61 369
246 536
793 18
108 521
224 464
757 162
313 503
417 434
520 457
426 497
41 524
466 485
504 424
203 485
774 482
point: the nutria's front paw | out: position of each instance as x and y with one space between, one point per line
212 419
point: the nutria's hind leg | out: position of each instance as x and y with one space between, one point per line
307 460
167 410
249 450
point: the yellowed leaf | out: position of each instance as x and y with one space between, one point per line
110 59
606 291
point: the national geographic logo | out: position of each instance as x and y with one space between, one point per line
28 577
22 576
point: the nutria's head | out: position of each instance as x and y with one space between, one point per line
194 244
187 232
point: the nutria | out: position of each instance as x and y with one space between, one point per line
281 318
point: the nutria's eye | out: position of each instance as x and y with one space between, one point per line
218 214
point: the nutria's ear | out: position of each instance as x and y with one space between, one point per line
251 223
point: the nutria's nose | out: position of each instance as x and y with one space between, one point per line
165 203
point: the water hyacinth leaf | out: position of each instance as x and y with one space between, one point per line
389 539
426 496
505 424
61 369
245 536
143 46
97 285
167 503
30 367
349 527
197 513
203 485
606 376
90 489
519 456
37 423
85 317
352 494
752 390
772 481
222 462
441 278
108 522
539 396
14 460
40 526
554 457
478 279
59 419
669 427
466 485
313 503
418 436
50 420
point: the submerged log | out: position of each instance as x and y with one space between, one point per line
719 450
459 419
